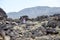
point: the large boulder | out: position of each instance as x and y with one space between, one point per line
2 37
51 31
52 24
3 15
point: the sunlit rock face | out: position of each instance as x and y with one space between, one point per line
3 15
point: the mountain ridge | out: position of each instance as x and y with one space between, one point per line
35 11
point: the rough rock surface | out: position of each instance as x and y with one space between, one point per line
2 14
31 30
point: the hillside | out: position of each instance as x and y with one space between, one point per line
35 11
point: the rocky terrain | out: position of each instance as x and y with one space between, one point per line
40 28
29 31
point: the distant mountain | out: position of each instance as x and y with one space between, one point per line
35 11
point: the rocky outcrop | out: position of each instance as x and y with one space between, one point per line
2 14
26 31
31 30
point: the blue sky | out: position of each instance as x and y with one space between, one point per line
17 5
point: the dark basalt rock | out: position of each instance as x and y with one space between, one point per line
51 31
3 15
52 24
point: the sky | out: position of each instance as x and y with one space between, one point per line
17 5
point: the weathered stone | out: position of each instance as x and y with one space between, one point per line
52 24
27 34
57 39
51 31
3 15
